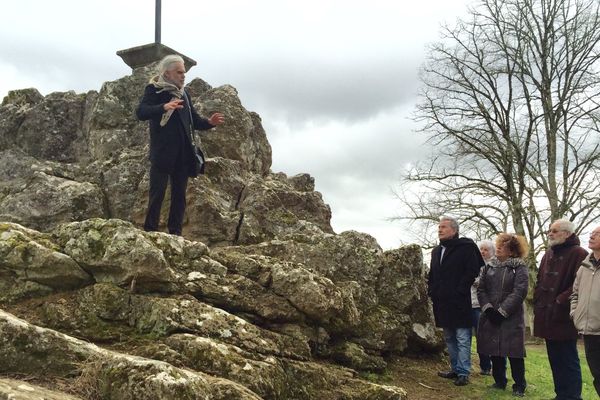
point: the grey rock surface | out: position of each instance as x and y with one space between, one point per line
260 298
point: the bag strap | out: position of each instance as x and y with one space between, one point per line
192 135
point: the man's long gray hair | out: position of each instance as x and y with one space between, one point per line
167 63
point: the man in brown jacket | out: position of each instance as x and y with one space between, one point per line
552 307
585 306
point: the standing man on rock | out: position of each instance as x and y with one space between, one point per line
552 306
455 263
172 119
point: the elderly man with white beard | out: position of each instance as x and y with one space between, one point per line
551 304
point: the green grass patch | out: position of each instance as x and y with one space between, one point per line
537 373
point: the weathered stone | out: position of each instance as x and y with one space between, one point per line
236 292
276 379
272 208
315 296
123 182
255 267
136 378
40 352
212 214
426 337
264 375
11 389
30 264
354 356
277 283
302 182
384 330
164 317
52 127
197 87
324 382
30 96
401 283
46 200
114 251
241 137
236 202
349 256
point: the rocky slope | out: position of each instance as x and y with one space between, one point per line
260 300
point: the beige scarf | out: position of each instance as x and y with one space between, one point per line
163 85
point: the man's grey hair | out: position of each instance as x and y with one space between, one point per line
489 245
565 225
167 63
453 222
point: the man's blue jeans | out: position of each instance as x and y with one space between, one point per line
566 372
458 341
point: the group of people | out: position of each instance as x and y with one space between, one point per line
485 287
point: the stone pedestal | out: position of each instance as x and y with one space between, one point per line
141 56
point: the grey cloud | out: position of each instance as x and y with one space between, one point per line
301 91
61 66
368 151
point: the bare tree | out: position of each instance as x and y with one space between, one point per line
510 103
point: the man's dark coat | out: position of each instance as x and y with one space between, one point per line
449 282
170 145
551 304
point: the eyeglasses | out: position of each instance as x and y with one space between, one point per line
555 230
594 234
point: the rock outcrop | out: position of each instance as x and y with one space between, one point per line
260 300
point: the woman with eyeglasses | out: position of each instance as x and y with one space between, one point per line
501 293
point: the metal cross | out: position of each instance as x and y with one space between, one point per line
157 22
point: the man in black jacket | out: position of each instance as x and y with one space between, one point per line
455 264
172 119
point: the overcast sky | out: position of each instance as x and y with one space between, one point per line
334 81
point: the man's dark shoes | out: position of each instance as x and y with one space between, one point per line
448 375
462 380
518 391
497 386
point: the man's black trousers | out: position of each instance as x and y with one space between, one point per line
158 187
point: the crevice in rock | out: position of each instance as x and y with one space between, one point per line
105 203
238 229
240 197
61 176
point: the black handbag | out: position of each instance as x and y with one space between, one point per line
199 161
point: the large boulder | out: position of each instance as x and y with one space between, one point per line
113 251
30 265
48 128
40 352
238 201
258 290
11 389
241 137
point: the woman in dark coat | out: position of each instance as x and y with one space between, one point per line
501 293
